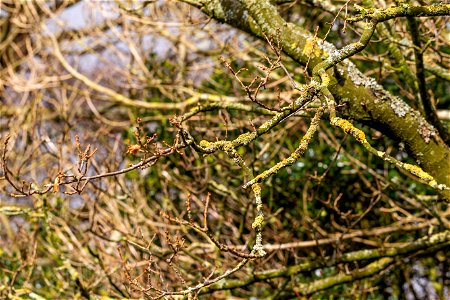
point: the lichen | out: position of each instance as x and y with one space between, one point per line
424 176
350 129
426 130
327 48
325 79
358 78
311 49
258 222
354 74
245 138
418 172
228 148
205 144
399 107
258 248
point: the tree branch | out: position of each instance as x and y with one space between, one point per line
362 98
385 256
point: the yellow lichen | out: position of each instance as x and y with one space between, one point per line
258 221
325 79
311 49
204 144
349 128
418 172
256 189
228 148
245 138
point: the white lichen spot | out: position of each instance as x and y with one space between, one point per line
426 130
258 247
399 107
333 55
358 78
380 153
327 47
441 187
355 75
372 84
